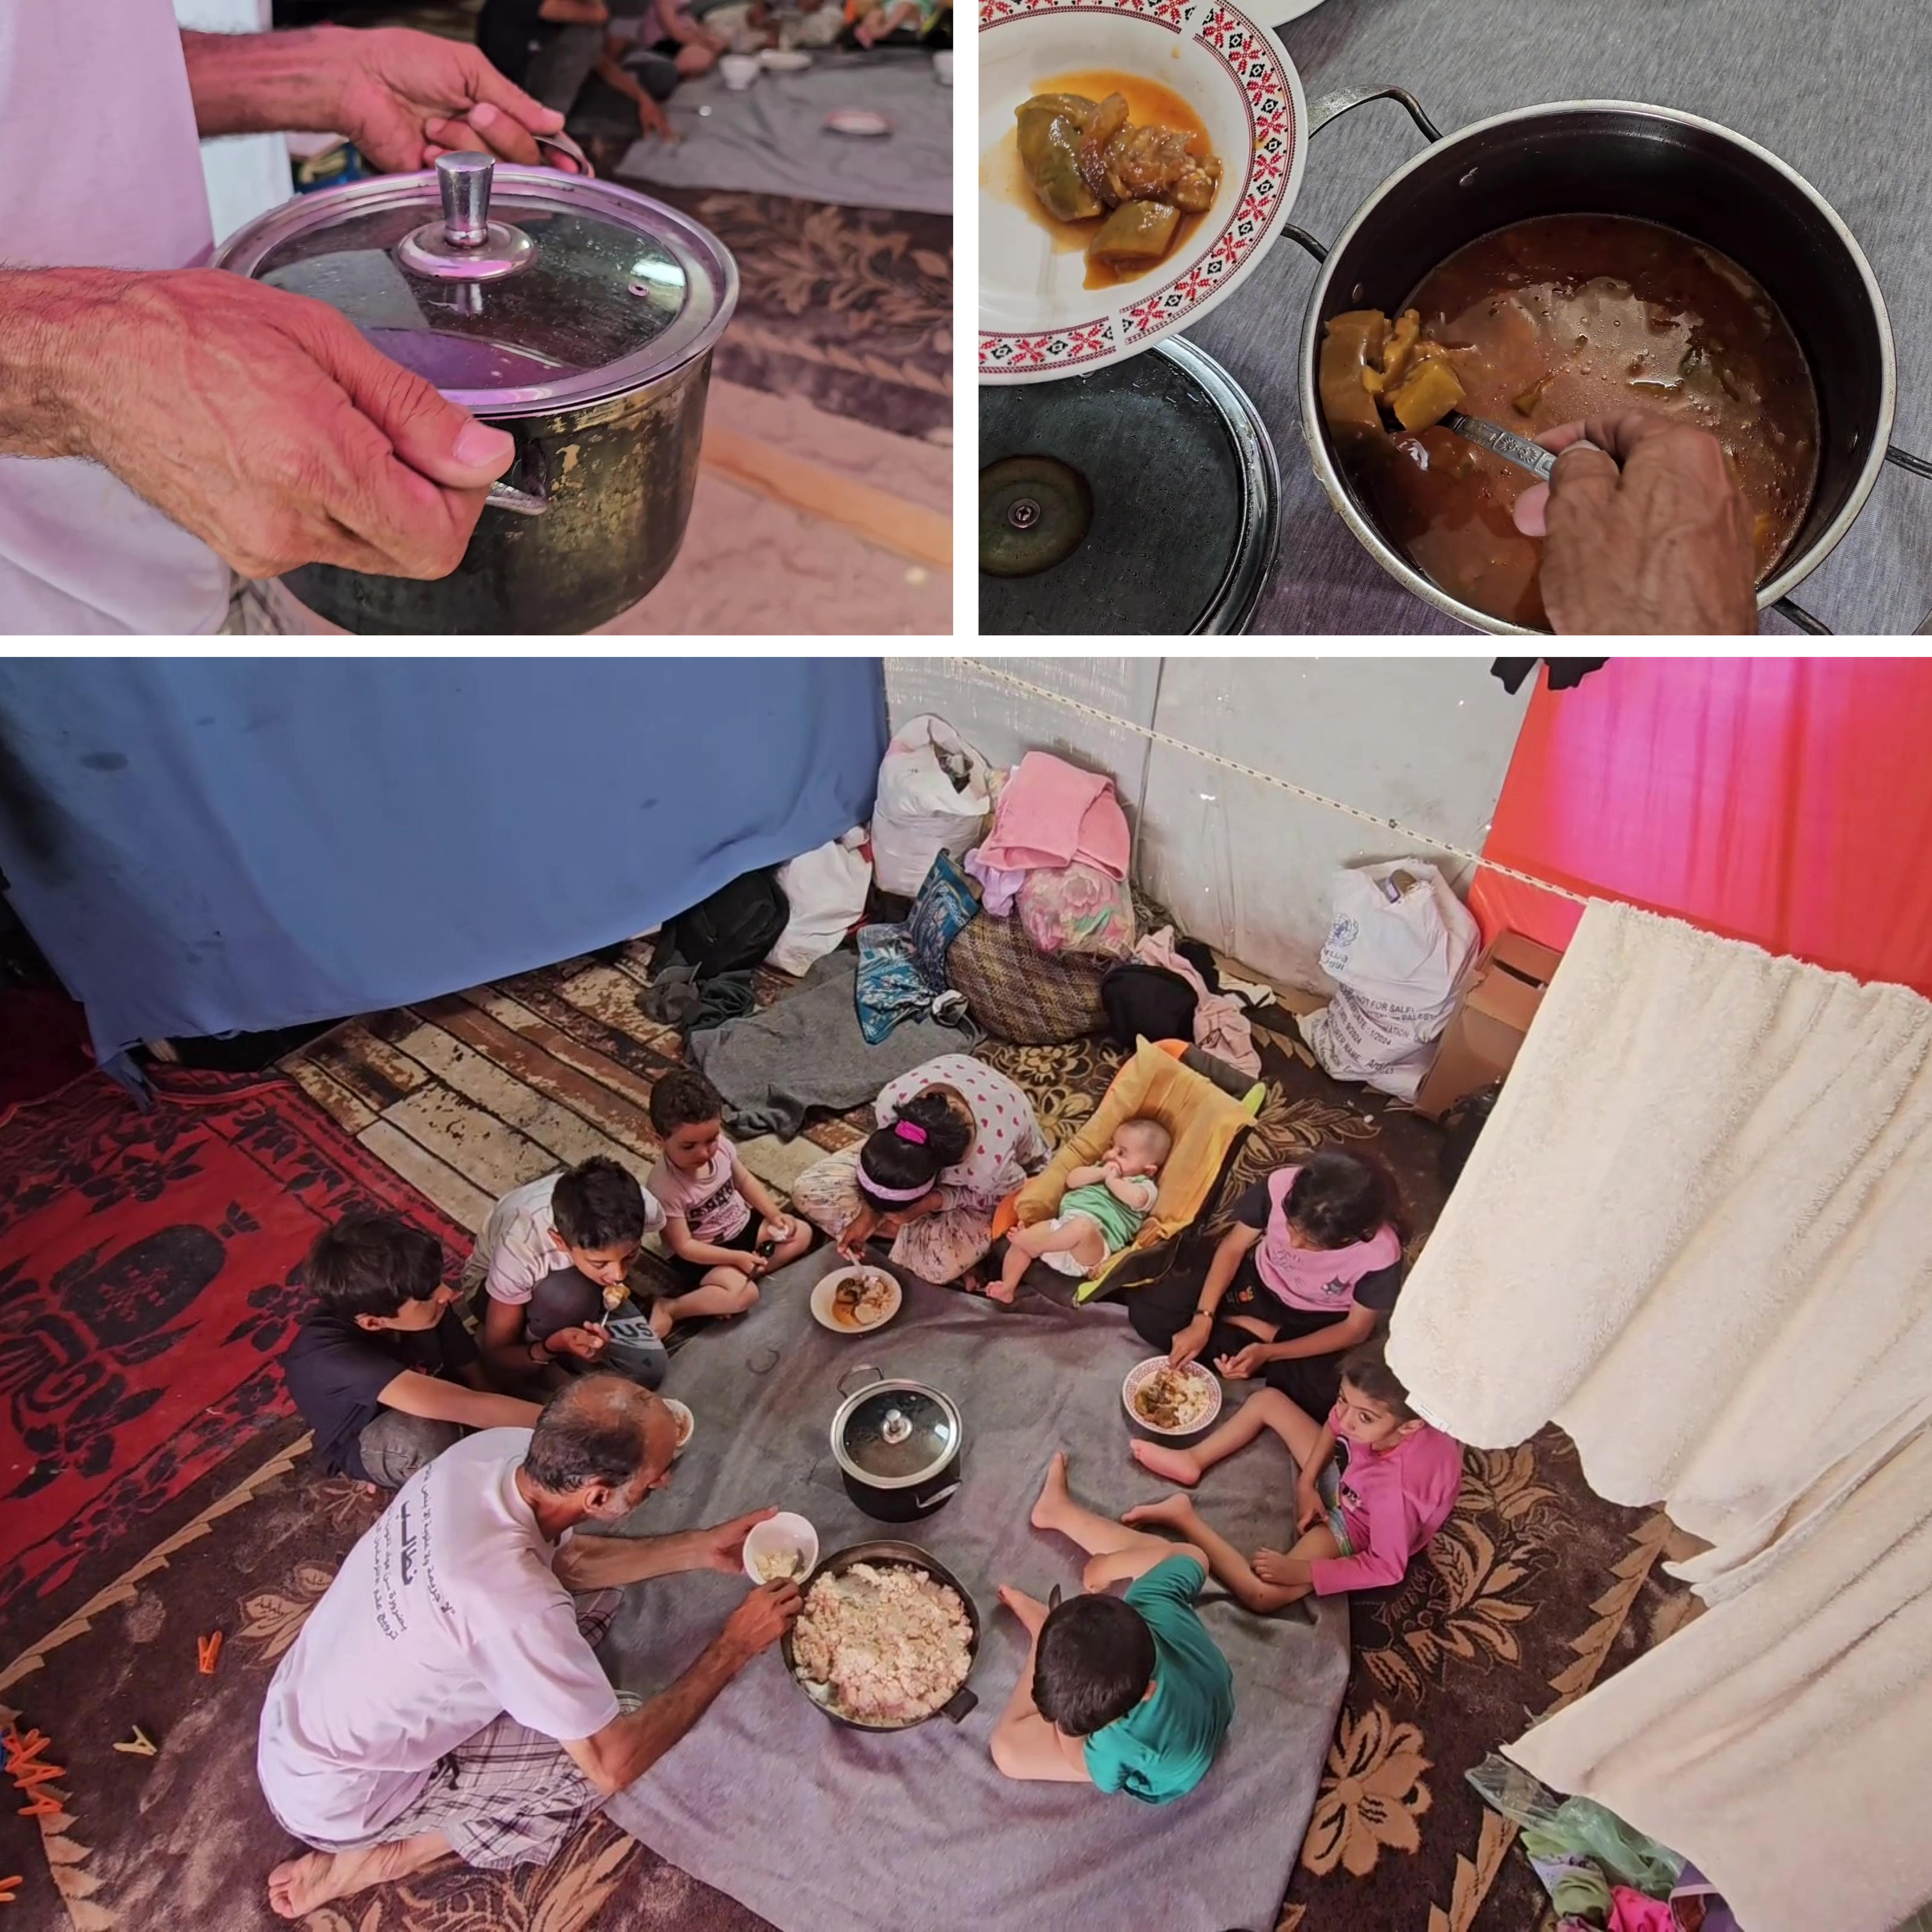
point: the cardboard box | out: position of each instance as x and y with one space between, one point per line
1480 1043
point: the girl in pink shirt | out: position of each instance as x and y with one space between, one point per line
1362 1514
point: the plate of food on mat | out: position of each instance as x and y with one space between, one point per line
1136 161
885 1639
855 1300
1170 1401
686 1422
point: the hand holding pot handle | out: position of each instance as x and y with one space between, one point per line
1645 531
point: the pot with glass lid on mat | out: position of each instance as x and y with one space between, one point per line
898 1445
578 315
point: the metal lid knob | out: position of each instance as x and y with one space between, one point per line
465 245
463 180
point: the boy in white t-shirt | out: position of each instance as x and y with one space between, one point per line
723 1230
552 1260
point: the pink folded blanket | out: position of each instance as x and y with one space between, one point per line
1052 814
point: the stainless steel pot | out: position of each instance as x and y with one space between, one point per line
898 1445
578 315
885 1550
1656 164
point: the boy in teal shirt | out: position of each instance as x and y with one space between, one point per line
1128 1693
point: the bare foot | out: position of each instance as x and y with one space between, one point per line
1001 1291
1171 1512
1171 1466
1055 1501
1030 1611
298 1887
662 1320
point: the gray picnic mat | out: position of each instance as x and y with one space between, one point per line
772 138
822 1828
1838 92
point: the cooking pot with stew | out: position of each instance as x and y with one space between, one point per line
574 313
899 1444
1587 255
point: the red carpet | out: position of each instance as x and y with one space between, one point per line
149 1273
42 1044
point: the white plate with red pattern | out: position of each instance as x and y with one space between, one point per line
1038 320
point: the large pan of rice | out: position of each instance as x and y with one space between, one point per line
886 1638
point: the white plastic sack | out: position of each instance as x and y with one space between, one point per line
826 889
1398 967
920 811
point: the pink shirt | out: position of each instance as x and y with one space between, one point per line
707 1202
1392 1503
1321 1281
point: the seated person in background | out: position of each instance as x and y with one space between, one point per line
1313 1261
1128 1693
641 49
383 1368
873 21
724 1230
1100 1212
552 1259
1360 1521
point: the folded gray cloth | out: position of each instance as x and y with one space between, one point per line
805 1051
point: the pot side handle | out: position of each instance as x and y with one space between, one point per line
878 1375
1327 107
1796 613
961 1704
527 497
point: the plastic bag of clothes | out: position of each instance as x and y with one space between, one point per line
826 889
1398 949
935 792
1077 908
1576 1827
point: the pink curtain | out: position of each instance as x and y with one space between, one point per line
1787 801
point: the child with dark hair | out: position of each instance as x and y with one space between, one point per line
1313 1263
723 1228
1360 1518
954 1139
552 1260
1128 1693
382 1368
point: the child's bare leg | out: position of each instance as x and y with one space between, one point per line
1024 1746
1267 1409
1026 1245
1228 1564
694 57
724 1290
1098 1535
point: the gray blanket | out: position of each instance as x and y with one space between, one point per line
772 138
825 1829
805 1051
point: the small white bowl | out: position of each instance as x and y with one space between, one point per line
687 1424
1195 1371
784 1533
823 1295
740 71
942 66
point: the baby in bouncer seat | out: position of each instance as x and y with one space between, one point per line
1100 1212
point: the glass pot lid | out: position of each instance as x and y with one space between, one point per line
898 1433
515 290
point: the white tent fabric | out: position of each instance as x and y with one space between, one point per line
1695 1235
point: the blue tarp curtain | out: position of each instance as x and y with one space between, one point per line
211 846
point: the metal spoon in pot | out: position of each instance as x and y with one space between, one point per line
1518 450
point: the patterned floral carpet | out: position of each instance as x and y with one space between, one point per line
1533 1591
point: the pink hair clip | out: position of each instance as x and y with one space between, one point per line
910 1130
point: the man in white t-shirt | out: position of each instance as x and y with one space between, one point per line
443 1696
163 426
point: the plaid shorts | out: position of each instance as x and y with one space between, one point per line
509 1795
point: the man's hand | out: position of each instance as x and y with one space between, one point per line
1645 531
722 1547
760 1620
587 1345
1244 1364
264 423
404 98
1190 1341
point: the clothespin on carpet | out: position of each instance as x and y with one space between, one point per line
208 1650
139 1745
